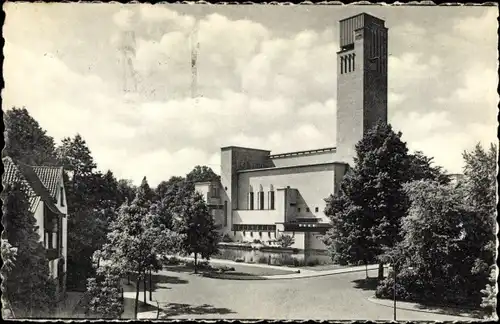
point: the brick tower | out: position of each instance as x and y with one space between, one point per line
361 80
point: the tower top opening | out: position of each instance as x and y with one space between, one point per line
349 25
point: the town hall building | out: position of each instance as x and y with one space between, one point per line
262 195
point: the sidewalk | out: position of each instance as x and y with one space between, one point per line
304 273
129 303
415 307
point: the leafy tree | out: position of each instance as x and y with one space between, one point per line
422 168
198 229
285 241
448 249
433 246
367 211
126 191
480 192
28 286
105 292
145 194
26 141
87 221
201 174
9 254
136 242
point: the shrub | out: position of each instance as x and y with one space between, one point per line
239 260
171 261
263 259
285 241
227 239
257 241
313 262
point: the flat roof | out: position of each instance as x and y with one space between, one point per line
292 166
244 148
300 153
362 14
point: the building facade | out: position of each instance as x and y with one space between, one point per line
262 196
47 198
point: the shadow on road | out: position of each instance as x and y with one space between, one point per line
450 310
366 284
174 309
160 279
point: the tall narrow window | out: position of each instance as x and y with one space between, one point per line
349 59
353 62
225 213
342 65
271 199
261 200
250 200
61 195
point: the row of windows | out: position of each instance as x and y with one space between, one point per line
254 228
347 63
316 209
260 200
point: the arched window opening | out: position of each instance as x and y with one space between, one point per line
271 197
250 198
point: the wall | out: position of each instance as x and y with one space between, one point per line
63 208
314 158
314 184
233 159
257 217
350 104
39 220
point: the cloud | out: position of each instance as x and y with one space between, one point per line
258 87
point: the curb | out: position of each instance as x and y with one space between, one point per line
464 314
284 277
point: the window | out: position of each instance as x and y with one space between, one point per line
61 194
307 209
271 199
261 200
353 62
269 234
316 209
298 209
250 201
225 213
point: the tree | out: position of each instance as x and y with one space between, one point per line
105 292
88 213
285 241
432 246
202 174
136 242
28 286
126 191
26 141
421 168
9 254
366 213
198 229
449 239
145 194
480 195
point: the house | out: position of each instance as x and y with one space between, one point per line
263 195
47 199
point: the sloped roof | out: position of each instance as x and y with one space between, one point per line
12 174
49 176
25 174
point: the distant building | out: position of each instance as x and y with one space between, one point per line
47 199
263 195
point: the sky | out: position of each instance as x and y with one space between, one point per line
266 79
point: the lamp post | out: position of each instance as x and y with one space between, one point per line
394 289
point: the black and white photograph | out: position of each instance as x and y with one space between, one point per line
197 161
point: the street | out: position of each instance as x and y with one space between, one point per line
334 297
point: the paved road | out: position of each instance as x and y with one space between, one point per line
322 298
